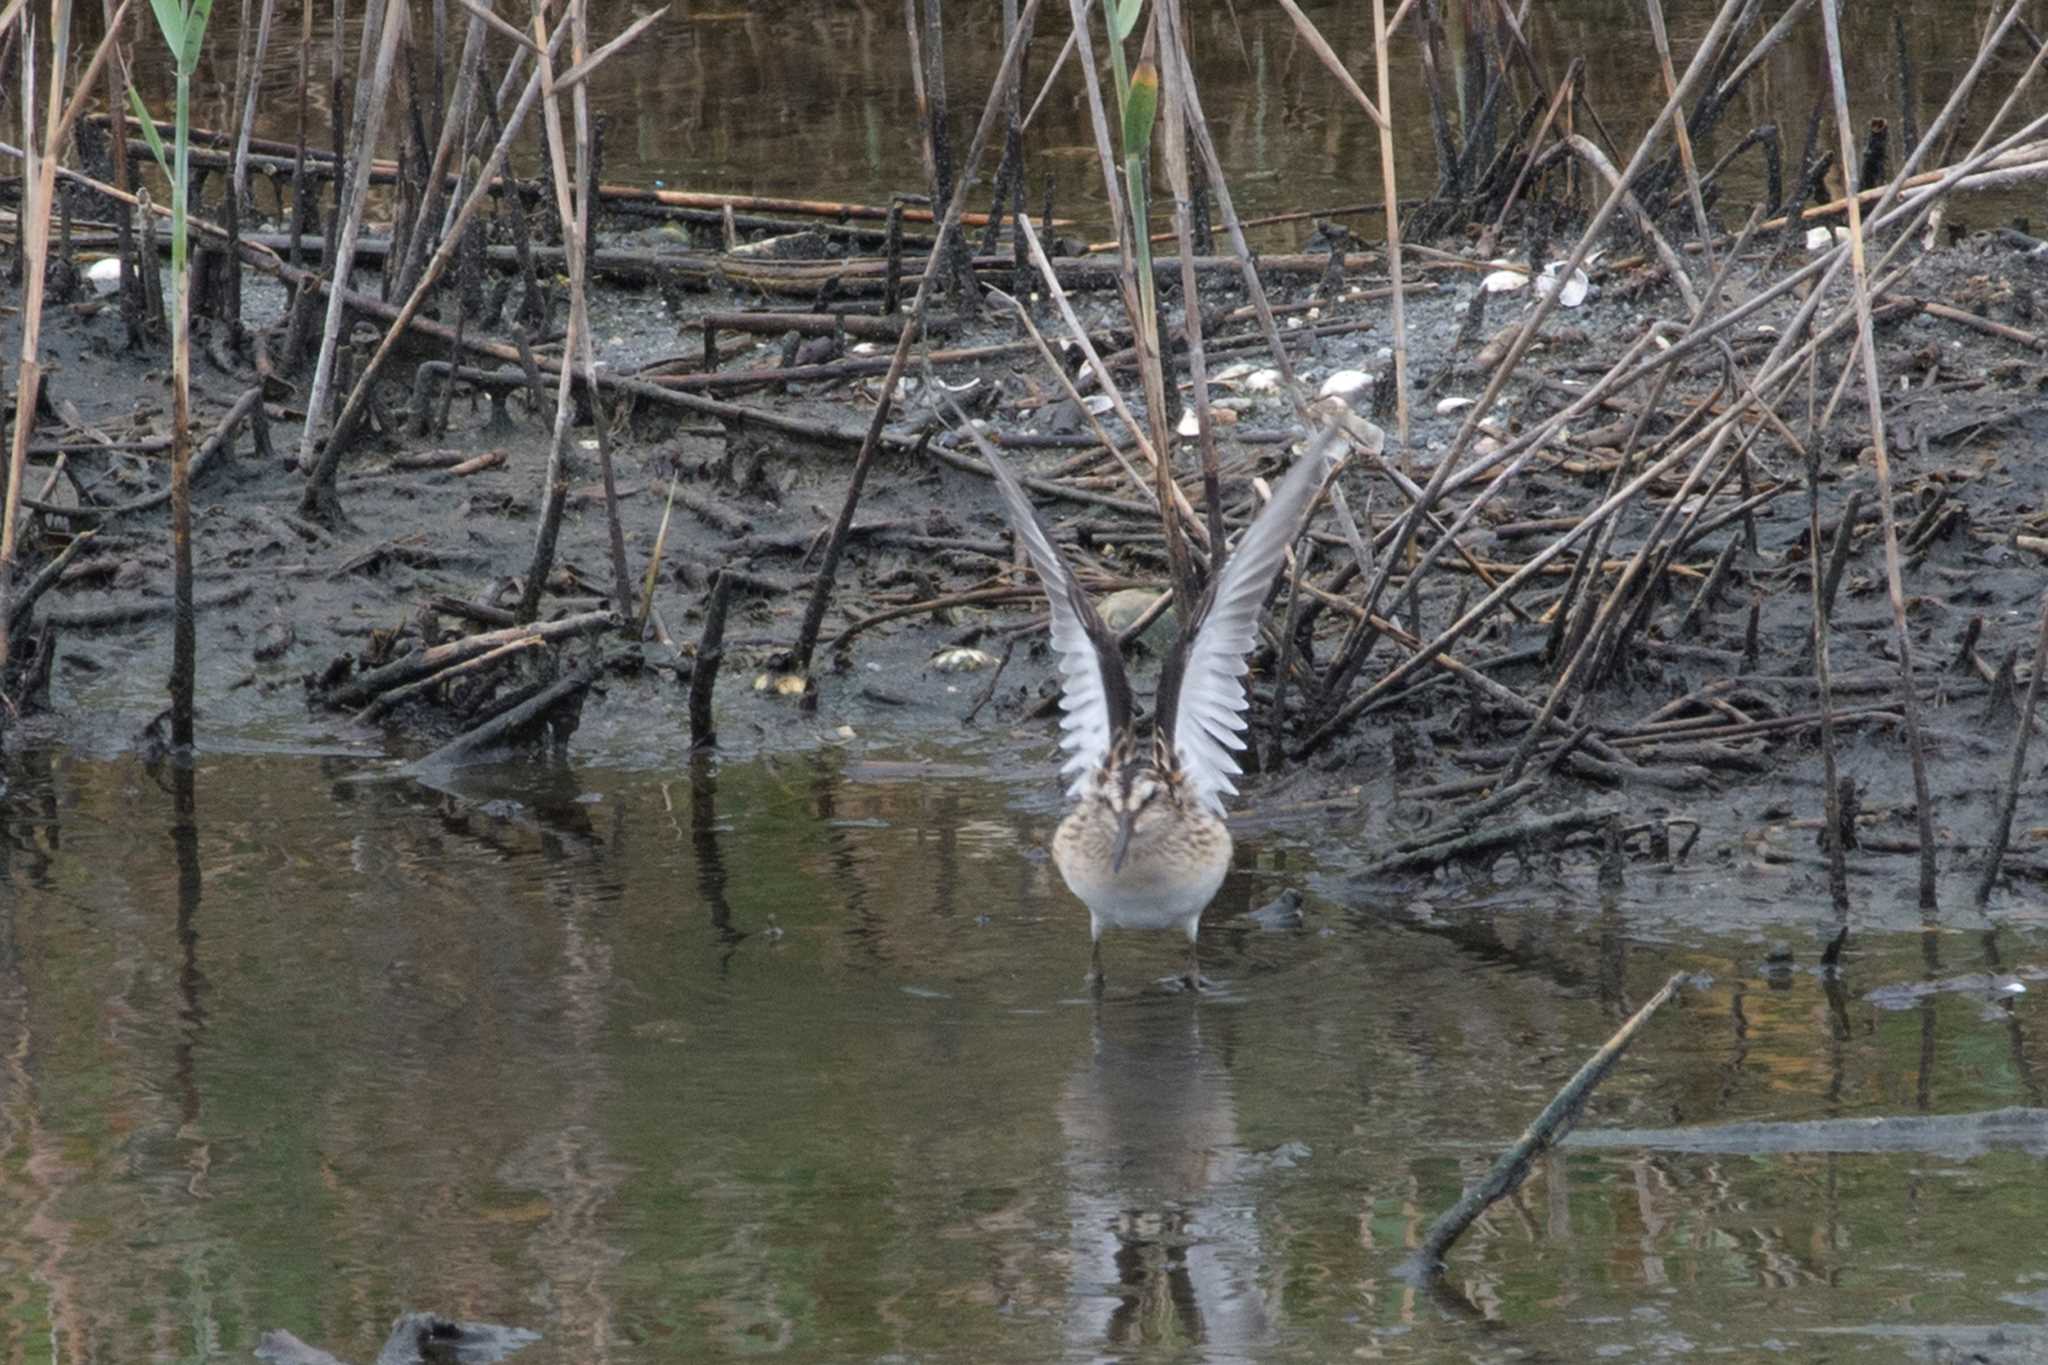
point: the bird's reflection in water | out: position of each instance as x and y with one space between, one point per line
1162 1225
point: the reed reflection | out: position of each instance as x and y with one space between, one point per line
1162 1223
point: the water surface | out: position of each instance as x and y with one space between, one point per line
790 1057
808 99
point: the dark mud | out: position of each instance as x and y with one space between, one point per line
291 607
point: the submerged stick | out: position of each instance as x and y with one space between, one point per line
505 728
1513 1165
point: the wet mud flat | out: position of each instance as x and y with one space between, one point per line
1691 732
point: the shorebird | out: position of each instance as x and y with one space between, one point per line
1146 846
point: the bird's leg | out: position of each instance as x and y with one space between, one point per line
1194 976
1094 979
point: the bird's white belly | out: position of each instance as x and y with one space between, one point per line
1162 886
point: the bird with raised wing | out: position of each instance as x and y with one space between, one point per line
1146 847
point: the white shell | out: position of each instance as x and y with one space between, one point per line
1450 405
1574 289
1344 383
1190 424
1098 403
1262 381
962 659
105 275
1825 238
1504 281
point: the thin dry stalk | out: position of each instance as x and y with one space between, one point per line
247 81
1873 387
1832 842
1335 64
1548 302
1560 100
1140 435
1680 135
572 204
1059 374
1778 370
1399 309
586 187
39 182
1175 132
454 128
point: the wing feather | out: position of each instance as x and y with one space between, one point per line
1204 696
1095 694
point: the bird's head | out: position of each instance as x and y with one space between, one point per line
1138 781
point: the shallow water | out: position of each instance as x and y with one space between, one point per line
790 1057
797 98
806 99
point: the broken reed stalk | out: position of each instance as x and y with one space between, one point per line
337 116
1512 1166
1104 379
130 290
319 499
710 654
871 442
647 580
506 726
1059 374
1873 388
1580 647
1680 135
1547 303
420 663
455 131
1778 369
1820 578
572 203
2001 831
369 123
570 209
39 183
248 81
586 174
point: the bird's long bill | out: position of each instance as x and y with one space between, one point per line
1123 840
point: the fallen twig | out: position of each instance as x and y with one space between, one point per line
1512 1166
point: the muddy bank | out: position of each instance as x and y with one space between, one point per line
1700 735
